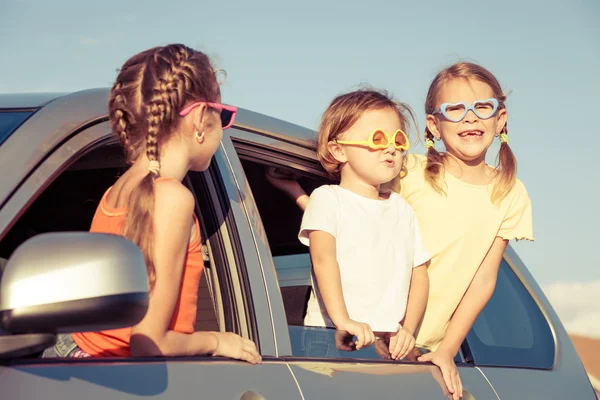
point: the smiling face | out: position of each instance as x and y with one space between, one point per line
361 163
469 138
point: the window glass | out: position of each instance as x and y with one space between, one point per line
10 120
511 330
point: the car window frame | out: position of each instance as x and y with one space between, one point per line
56 162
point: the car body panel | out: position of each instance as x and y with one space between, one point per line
171 379
365 380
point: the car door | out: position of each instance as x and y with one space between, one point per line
520 345
86 153
275 221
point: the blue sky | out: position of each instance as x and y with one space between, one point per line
289 59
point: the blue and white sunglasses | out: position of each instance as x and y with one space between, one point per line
455 112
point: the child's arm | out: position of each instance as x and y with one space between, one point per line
327 273
289 186
478 294
174 207
403 342
417 298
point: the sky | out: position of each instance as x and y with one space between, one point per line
289 59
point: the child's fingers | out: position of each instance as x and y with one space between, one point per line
371 336
448 379
360 339
407 347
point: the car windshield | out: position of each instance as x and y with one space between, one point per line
10 120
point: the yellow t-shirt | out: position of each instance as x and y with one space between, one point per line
458 229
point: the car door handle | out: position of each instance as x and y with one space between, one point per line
251 395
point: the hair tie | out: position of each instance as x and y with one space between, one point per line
154 167
504 138
429 144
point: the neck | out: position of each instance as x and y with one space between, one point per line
360 187
474 171
174 162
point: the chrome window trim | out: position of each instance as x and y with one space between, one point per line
249 237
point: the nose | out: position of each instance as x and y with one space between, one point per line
470 116
390 149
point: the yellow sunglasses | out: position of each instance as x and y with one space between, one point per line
379 140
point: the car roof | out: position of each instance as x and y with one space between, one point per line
27 100
97 99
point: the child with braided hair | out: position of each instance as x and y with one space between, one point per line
165 108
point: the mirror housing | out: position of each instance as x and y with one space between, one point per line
73 282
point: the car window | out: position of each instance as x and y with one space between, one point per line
511 330
69 203
281 220
10 120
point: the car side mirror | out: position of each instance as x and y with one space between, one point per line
72 282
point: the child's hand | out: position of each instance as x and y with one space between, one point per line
284 182
234 346
445 361
363 332
401 344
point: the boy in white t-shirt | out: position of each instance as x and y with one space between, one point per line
369 264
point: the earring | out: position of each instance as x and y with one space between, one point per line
429 144
199 137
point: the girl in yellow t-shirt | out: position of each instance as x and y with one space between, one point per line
467 209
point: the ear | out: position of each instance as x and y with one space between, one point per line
337 151
198 117
501 120
432 125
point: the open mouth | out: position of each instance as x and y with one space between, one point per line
471 134
389 163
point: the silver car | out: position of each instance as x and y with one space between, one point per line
57 157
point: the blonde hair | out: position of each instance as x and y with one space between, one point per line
150 90
345 110
506 163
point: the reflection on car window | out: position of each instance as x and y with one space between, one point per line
511 330
10 120
316 342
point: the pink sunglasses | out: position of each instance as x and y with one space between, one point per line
227 112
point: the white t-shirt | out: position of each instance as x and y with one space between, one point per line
378 243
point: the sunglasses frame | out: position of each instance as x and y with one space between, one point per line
390 140
217 106
468 108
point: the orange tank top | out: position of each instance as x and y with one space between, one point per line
116 342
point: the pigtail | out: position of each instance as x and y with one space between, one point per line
435 163
507 169
120 118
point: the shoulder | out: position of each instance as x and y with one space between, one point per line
403 206
173 198
518 193
325 192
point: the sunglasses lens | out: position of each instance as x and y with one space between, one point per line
380 139
485 109
226 117
401 140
